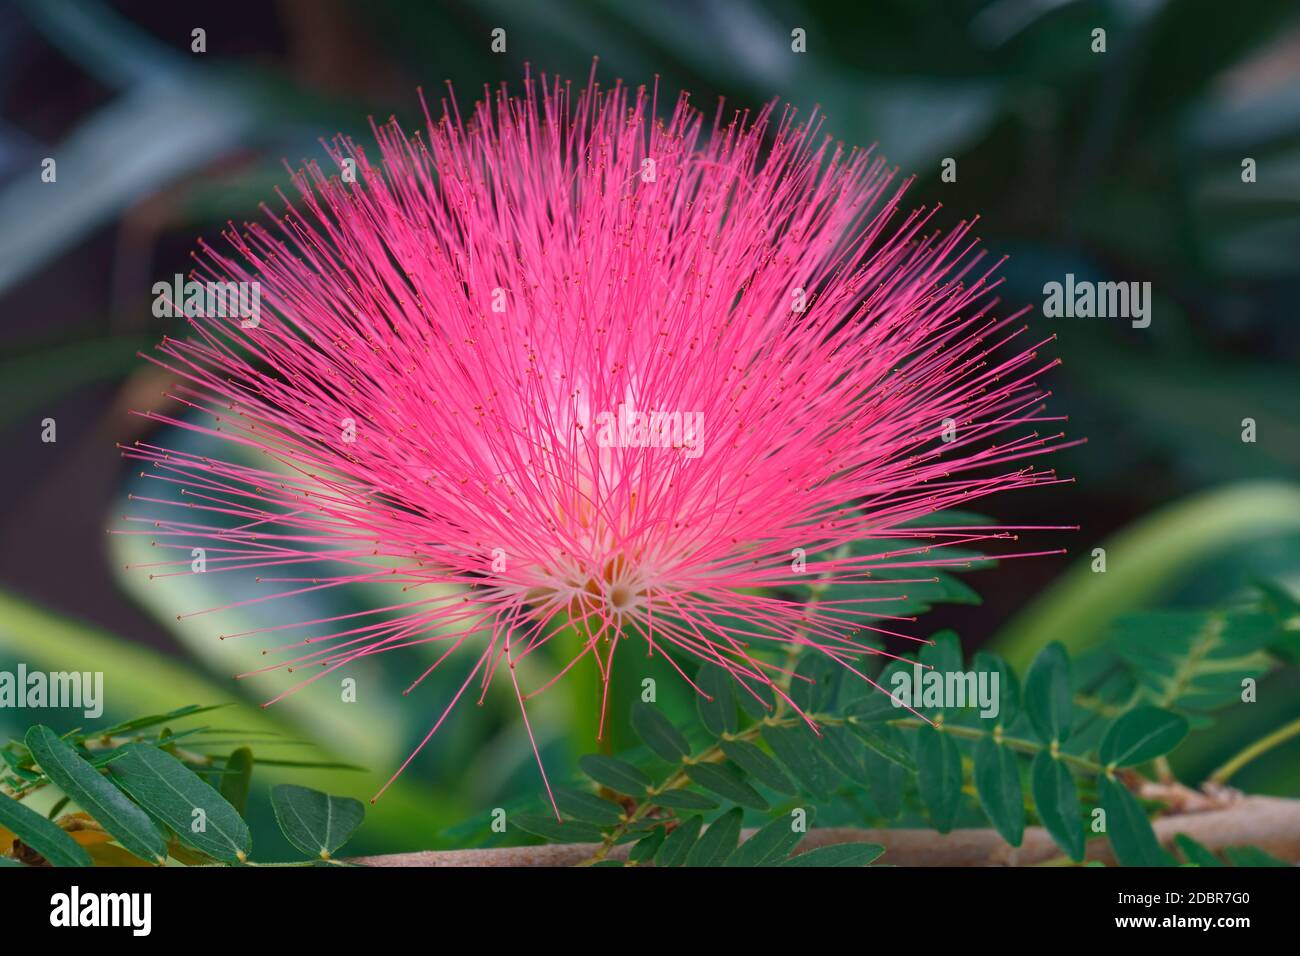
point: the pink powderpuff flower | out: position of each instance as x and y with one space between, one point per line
601 370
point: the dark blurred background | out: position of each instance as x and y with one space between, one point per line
1118 165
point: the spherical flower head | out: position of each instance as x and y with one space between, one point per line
589 370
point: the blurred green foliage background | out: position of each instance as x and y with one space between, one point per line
1123 165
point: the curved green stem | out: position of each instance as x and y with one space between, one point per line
1258 748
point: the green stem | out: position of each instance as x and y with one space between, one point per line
676 779
1259 747
714 753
